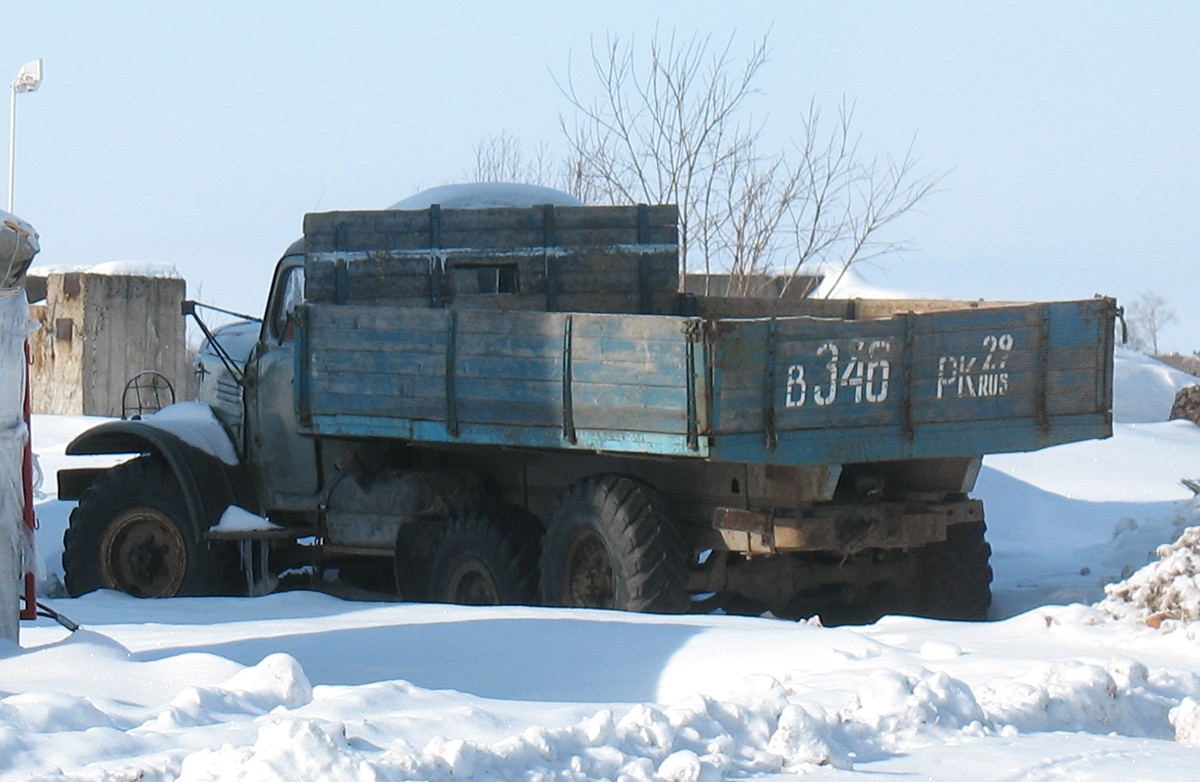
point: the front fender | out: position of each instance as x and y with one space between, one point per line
209 485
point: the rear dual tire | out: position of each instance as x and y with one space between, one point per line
612 544
954 577
487 557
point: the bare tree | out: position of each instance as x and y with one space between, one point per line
502 158
670 128
666 131
1148 316
844 202
741 226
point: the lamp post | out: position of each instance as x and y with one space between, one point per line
29 78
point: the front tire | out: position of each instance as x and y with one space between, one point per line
612 544
130 534
488 557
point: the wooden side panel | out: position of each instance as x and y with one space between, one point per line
581 259
941 383
517 378
792 391
497 228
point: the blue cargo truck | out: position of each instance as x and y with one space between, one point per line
515 404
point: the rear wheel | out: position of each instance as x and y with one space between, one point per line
953 577
612 544
427 503
130 533
416 543
488 557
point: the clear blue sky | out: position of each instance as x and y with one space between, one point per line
200 133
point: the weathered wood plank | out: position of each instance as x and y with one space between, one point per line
665 444
502 411
495 227
616 274
842 446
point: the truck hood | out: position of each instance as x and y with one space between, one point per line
238 339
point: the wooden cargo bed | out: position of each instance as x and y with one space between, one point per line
788 390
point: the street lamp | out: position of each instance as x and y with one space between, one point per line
29 78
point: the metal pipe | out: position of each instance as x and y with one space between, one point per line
12 140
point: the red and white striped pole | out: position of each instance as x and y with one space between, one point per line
29 609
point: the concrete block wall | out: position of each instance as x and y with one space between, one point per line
99 330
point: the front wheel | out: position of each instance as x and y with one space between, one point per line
612 544
130 534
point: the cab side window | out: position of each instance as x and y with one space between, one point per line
284 322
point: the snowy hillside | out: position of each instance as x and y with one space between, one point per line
305 686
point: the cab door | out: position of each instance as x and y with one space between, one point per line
285 463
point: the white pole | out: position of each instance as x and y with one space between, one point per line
12 140
29 78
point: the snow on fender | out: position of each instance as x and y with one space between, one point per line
195 424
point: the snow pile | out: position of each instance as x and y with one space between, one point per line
283 751
898 701
846 283
114 269
698 740
267 724
1166 592
1144 389
1186 719
326 691
1121 696
764 729
276 682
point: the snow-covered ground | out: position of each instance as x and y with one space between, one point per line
306 686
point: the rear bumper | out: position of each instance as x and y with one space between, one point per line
843 529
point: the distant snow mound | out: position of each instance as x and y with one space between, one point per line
1144 389
1168 589
481 195
839 283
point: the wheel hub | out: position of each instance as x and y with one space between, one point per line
472 584
588 574
143 554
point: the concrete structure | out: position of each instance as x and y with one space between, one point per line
18 245
100 330
1180 361
13 437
